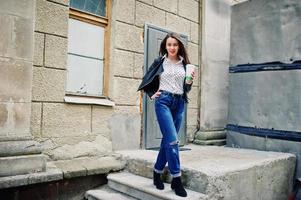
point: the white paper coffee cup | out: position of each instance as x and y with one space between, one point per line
189 69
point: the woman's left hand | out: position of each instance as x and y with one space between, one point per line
193 77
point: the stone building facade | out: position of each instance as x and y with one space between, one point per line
69 126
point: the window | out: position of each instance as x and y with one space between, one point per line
88 45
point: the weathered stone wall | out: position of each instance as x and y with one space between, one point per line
69 130
65 130
266 99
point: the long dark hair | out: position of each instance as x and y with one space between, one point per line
182 51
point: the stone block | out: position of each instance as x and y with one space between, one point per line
66 120
216 50
193 96
16 165
237 140
127 109
128 37
51 174
20 8
193 53
100 146
210 135
196 81
104 165
277 102
61 141
190 133
194 32
189 9
14 120
125 131
218 20
36 119
218 142
101 116
14 148
89 166
131 96
150 2
72 168
17 34
178 24
38 57
55 51
48 84
168 5
51 18
123 63
149 14
261 37
215 95
22 38
125 11
192 116
138 66
5 33
15 80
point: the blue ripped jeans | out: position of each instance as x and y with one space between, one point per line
169 110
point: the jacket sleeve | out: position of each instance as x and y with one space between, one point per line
150 93
146 75
188 87
154 64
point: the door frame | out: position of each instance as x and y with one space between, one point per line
144 101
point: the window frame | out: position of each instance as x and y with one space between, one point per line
104 22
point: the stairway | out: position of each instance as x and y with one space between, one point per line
126 186
213 173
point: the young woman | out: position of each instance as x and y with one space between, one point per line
165 84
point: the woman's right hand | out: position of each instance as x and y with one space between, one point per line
156 95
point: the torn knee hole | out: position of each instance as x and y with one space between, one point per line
174 142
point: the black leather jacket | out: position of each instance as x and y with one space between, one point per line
150 82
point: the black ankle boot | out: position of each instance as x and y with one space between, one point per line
157 181
176 184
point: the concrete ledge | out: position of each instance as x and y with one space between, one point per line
14 148
210 135
88 100
219 142
52 173
226 173
64 189
66 169
216 138
89 166
17 165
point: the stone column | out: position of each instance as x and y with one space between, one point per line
214 72
19 154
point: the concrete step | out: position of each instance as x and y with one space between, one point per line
25 164
106 193
217 142
143 188
223 172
